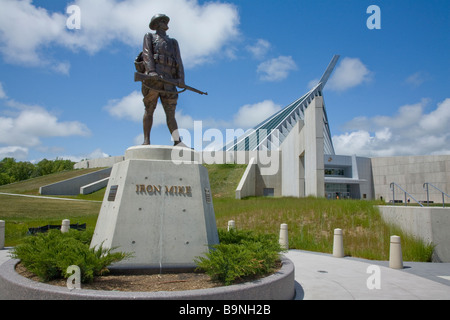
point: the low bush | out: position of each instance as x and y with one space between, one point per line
240 254
48 255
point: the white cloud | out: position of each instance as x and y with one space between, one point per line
15 152
2 92
251 115
132 108
411 131
259 49
406 115
26 30
276 69
96 154
184 121
416 79
61 67
352 143
26 125
437 120
350 73
383 135
312 83
138 139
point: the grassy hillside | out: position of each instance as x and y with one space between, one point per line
32 186
311 221
224 179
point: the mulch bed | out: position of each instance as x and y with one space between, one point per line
137 283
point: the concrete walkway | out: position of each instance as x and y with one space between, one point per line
322 277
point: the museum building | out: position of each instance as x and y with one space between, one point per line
300 135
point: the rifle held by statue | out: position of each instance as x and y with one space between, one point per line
142 77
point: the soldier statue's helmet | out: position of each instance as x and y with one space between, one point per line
155 20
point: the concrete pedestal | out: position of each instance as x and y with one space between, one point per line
159 208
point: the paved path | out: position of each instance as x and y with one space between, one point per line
44 197
322 277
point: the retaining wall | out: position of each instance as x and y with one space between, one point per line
411 172
278 286
72 186
247 184
430 224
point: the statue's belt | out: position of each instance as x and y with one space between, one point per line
144 77
145 84
165 60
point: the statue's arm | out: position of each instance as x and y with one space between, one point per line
180 68
147 54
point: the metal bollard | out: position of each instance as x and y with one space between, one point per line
2 234
231 225
65 226
284 240
395 253
338 243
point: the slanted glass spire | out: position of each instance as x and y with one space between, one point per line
271 133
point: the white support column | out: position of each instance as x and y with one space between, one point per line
314 149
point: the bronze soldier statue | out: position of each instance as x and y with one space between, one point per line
161 57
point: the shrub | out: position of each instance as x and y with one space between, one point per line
48 255
240 254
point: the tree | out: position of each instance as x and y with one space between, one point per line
12 171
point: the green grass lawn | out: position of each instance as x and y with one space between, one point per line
311 221
21 213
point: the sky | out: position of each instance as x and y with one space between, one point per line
67 85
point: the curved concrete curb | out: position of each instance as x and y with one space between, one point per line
279 286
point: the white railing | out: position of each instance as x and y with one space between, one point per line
393 184
426 187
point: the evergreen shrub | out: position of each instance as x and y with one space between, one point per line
241 254
48 255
